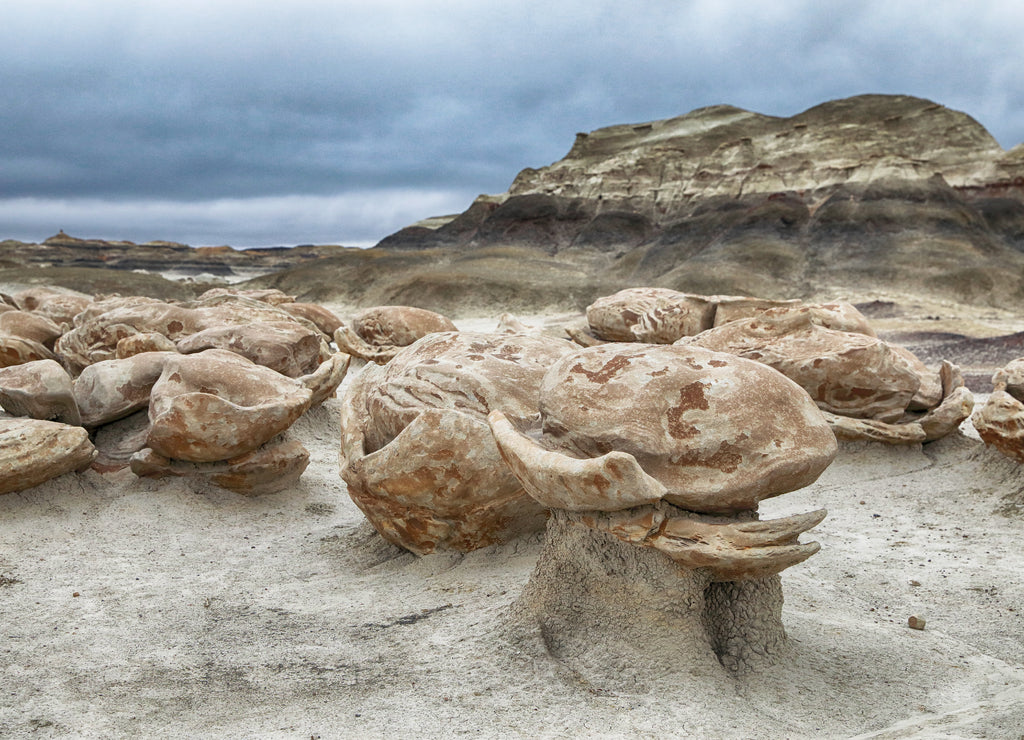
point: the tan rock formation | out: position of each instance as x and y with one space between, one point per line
324 319
653 460
39 390
275 466
287 347
30 326
1000 422
103 324
148 341
216 405
59 306
663 316
270 296
33 451
378 333
845 373
112 389
417 454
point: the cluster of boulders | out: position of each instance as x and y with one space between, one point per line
867 388
206 388
646 460
420 461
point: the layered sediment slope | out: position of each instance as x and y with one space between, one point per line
874 192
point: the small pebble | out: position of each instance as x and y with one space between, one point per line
915 583
74 595
915 623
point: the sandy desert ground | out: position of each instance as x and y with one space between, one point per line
137 608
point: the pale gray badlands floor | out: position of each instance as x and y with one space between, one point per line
133 608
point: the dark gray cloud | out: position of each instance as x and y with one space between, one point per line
129 108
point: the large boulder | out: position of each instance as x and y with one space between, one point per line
417 453
40 390
33 451
216 405
378 333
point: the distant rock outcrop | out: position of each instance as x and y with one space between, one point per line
874 191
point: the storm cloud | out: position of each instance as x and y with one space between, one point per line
256 123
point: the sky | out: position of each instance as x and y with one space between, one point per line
256 123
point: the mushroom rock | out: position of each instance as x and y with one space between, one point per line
653 460
147 341
112 389
846 373
32 451
40 390
417 454
1000 422
378 333
216 405
273 467
287 347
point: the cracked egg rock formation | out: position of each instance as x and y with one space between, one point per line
417 454
653 460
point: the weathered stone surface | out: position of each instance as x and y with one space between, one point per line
955 404
872 430
655 315
663 316
1000 423
111 389
271 468
287 347
680 423
26 337
17 351
845 373
1011 378
417 453
117 441
216 405
30 326
39 390
149 341
103 324
33 451
324 381
837 315
324 319
60 307
378 333
730 549
271 296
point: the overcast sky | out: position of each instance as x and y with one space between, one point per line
258 123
